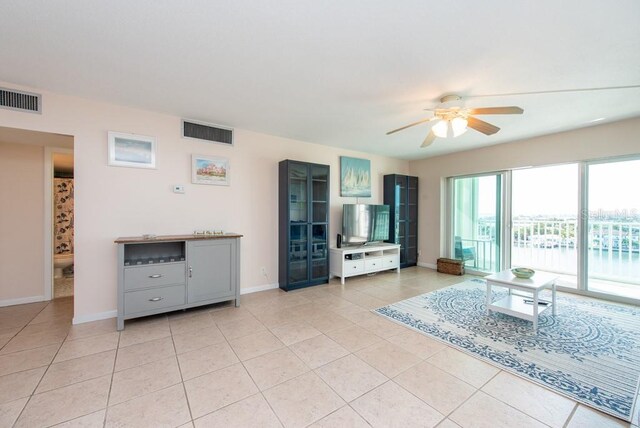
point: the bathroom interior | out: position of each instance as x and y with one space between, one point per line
63 220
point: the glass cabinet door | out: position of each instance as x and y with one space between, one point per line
412 219
401 189
298 208
298 244
319 185
320 218
319 251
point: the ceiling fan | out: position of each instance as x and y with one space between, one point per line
455 120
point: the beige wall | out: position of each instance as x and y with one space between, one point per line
609 140
112 201
21 222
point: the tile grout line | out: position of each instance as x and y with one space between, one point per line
474 392
43 374
113 371
522 411
447 416
184 387
271 407
295 377
248 373
515 408
573 412
364 393
20 329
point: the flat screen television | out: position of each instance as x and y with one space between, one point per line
363 223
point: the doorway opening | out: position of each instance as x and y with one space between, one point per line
63 223
27 262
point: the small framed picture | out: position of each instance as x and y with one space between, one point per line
209 170
130 150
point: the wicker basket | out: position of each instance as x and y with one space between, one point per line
451 266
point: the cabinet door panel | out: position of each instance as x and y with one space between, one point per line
320 187
298 196
319 252
298 253
211 270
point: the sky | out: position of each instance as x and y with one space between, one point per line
553 190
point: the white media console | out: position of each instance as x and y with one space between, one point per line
351 261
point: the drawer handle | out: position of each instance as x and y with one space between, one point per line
155 276
155 299
355 267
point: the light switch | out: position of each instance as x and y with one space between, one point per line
178 188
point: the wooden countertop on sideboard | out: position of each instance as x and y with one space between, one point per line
166 238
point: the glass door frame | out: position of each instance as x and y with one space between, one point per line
503 217
583 232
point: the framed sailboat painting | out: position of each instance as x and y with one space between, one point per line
355 177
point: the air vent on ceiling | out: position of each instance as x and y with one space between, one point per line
207 132
21 101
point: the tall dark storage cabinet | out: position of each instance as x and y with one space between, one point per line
401 194
303 210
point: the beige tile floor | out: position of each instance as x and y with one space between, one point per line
314 357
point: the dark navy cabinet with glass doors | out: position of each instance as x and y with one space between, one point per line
401 194
303 211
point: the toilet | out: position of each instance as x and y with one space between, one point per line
61 261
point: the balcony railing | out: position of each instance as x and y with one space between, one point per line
612 236
484 250
613 247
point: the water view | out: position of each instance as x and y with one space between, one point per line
544 224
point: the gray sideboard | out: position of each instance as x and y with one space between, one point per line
173 272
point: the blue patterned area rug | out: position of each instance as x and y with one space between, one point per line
589 351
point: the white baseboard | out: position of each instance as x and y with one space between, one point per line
21 301
114 313
257 288
95 317
428 265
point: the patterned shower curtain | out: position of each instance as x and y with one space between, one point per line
63 212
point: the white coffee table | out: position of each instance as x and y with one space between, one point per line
514 304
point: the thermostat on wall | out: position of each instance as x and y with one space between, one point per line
178 188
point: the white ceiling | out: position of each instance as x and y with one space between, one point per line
335 72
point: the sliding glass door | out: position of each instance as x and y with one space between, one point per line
580 221
476 221
544 220
613 228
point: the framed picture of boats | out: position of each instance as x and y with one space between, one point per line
209 170
355 177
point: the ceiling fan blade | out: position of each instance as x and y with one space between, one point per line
427 141
481 126
496 110
410 125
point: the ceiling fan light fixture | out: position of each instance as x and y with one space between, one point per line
440 128
459 126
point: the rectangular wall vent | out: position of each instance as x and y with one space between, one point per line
207 132
21 101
